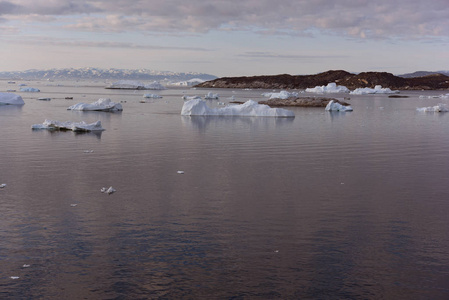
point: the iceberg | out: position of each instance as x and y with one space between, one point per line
191 97
211 96
77 127
135 85
437 108
29 89
190 82
154 96
335 106
377 90
250 108
10 99
329 88
281 95
102 104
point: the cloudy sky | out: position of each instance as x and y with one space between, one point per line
226 37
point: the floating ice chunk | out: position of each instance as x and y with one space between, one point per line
154 96
437 108
335 106
14 277
29 89
191 97
73 205
281 95
250 108
25 266
180 172
210 96
44 99
88 151
108 191
102 104
329 88
77 127
10 99
377 90
2 185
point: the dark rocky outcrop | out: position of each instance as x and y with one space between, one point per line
351 81
302 102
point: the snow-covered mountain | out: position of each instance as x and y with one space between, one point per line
98 73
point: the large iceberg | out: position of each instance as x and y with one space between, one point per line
335 106
329 88
135 85
10 99
437 108
281 95
29 89
102 104
77 127
377 90
250 108
211 96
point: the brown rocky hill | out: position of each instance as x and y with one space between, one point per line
351 81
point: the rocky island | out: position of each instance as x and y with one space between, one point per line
344 78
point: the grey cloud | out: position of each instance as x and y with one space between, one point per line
283 56
354 18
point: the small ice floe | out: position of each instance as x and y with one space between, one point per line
76 127
88 151
377 90
108 191
329 88
335 106
250 108
211 96
437 108
44 99
180 172
25 266
30 90
14 277
276 251
2 185
191 97
73 205
10 99
281 95
102 104
152 96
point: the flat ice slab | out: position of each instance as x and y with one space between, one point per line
281 95
335 106
29 89
437 108
377 90
102 104
10 99
74 126
250 108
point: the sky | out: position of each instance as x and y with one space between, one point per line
226 38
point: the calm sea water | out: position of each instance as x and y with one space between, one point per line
324 206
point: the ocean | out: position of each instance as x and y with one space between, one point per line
328 205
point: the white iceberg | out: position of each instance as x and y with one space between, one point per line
102 104
154 96
191 82
135 85
437 108
329 88
108 191
77 127
10 99
377 90
211 96
29 89
250 108
335 106
281 95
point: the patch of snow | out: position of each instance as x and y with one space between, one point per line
377 90
102 104
250 108
331 87
437 108
77 127
10 99
29 89
335 106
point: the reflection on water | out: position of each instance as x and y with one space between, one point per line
325 205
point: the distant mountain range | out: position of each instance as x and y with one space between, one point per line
104 74
352 81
